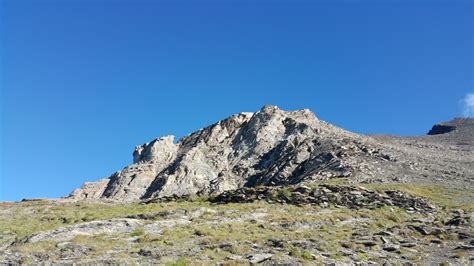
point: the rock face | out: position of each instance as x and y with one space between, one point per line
461 123
441 129
352 197
90 190
269 147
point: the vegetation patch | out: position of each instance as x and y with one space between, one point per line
234 232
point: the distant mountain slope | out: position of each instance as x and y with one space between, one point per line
276 147
457 131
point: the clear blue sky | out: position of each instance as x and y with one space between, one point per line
83 82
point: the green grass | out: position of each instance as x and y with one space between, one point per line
326 229
362 256
179 262
37 247
44 215
447 197
306 255
285 192
99 243
138 232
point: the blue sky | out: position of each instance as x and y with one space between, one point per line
83 82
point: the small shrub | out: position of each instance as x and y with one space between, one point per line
294 251
307 255
138 232
362 256
198 198
285 192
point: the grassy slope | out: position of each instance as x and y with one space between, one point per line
329 228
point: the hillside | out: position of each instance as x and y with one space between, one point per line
270 187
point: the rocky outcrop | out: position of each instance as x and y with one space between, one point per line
84 229
90 190
270 147
458 132
441 129
459 124
351 197
149 159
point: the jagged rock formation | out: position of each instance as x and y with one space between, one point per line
269 147
353 197
441 129
446 127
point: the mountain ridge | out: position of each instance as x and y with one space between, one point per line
269 147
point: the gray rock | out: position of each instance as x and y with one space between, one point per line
89 229
234 257
259 257
465 247
408 244
391 248
275 147
343 196
157 227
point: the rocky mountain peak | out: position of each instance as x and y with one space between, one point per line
270 109
459 123
269 147
154 150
